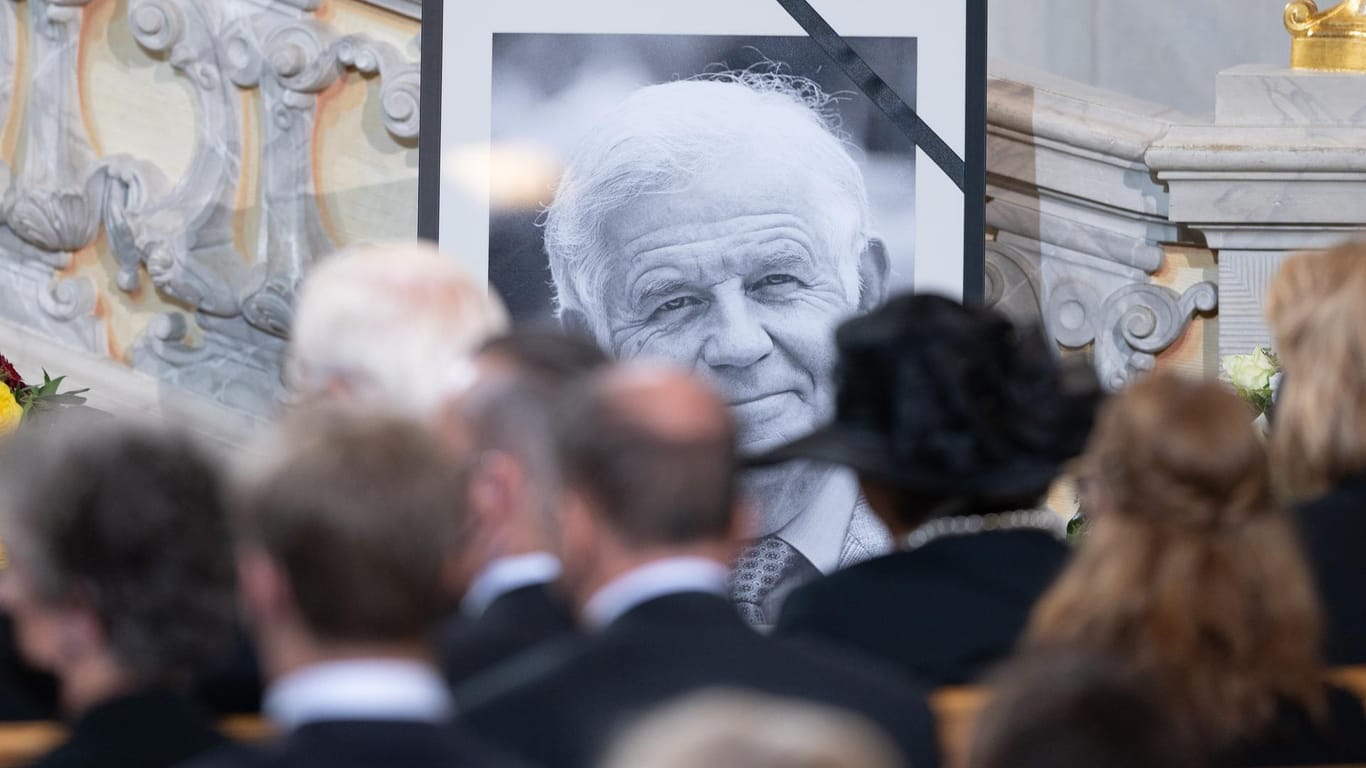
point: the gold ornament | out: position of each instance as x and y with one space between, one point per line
1333 40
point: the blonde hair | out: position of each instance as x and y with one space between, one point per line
1190 571
733 729
1316 308
393 324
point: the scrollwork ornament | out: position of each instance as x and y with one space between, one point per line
1141 320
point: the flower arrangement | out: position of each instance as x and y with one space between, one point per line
20 400
1255 376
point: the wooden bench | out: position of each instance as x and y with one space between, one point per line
22 743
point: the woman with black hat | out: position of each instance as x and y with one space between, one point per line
956 423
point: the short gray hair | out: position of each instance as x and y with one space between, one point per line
662 136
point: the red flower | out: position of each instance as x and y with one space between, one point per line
9 376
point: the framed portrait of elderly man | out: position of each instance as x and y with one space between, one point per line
716 183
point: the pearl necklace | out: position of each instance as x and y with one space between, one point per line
967 525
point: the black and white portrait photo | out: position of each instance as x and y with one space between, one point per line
720 203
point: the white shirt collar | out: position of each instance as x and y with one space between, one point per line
505 574
819 532
662 577
361 689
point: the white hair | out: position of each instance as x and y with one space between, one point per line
663 136
393 324
722 728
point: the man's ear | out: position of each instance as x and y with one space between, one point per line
873 271
262 587
495 490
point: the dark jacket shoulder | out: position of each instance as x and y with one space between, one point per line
512 624
151 729
364 744
563 707
943 613
1297 738
1333 529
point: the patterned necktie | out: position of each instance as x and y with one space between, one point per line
764 574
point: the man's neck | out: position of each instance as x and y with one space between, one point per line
91 682
368 683
502 575
645 576
283 656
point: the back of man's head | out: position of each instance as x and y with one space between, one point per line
390 323
652 450
551 357
361 513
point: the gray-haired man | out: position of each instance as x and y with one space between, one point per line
721 223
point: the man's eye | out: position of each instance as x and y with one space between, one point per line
673 305
769 281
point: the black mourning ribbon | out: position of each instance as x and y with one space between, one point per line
875 88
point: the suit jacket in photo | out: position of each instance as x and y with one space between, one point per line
364 744
1333 528
563 705
943 613
151 729
513 624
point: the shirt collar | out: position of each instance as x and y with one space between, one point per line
361 689
819 532
505 574
662 577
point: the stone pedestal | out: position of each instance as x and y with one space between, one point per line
1281 169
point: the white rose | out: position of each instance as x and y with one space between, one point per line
1251 372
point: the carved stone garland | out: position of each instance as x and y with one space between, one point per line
181 231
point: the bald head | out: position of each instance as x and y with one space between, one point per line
653 450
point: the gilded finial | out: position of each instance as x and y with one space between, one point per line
1334 39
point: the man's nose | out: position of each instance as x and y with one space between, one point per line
737 338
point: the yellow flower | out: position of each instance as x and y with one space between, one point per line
10 411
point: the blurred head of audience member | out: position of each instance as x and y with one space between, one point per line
390 323
1190 571
119 574
120 582
945 409
1074 709
1316 308
648 457
509 575
347 525
504 423
739 729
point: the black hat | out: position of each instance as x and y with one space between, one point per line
939 398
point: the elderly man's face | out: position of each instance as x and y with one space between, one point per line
743 276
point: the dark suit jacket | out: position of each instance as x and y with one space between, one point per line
152 729
943 613
561 706
26 693
1296 739
514 623
364 744
1333 528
